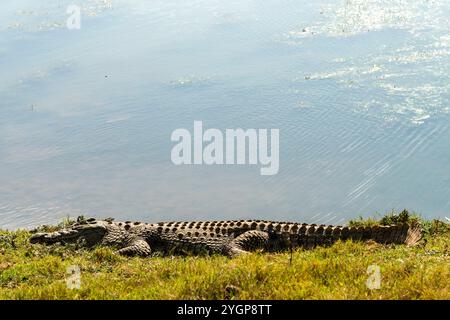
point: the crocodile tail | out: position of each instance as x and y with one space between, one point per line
397 234
414 235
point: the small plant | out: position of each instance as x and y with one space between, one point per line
435 228
363 222
401 218
404 217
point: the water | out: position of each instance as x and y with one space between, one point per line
360 91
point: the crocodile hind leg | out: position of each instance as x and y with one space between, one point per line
137 247
248 241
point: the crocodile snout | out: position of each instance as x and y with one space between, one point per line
53 237
38 237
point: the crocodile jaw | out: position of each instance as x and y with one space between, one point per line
65 235
91 233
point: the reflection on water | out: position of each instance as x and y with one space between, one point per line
360 91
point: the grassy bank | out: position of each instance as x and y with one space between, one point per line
337 272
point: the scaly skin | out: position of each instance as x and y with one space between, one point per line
230 238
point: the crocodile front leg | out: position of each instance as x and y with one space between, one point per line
137 247
248 241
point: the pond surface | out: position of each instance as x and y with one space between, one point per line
360 91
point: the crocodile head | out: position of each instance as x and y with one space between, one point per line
89 230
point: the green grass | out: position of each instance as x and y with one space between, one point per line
337 272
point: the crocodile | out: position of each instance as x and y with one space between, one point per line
231 238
